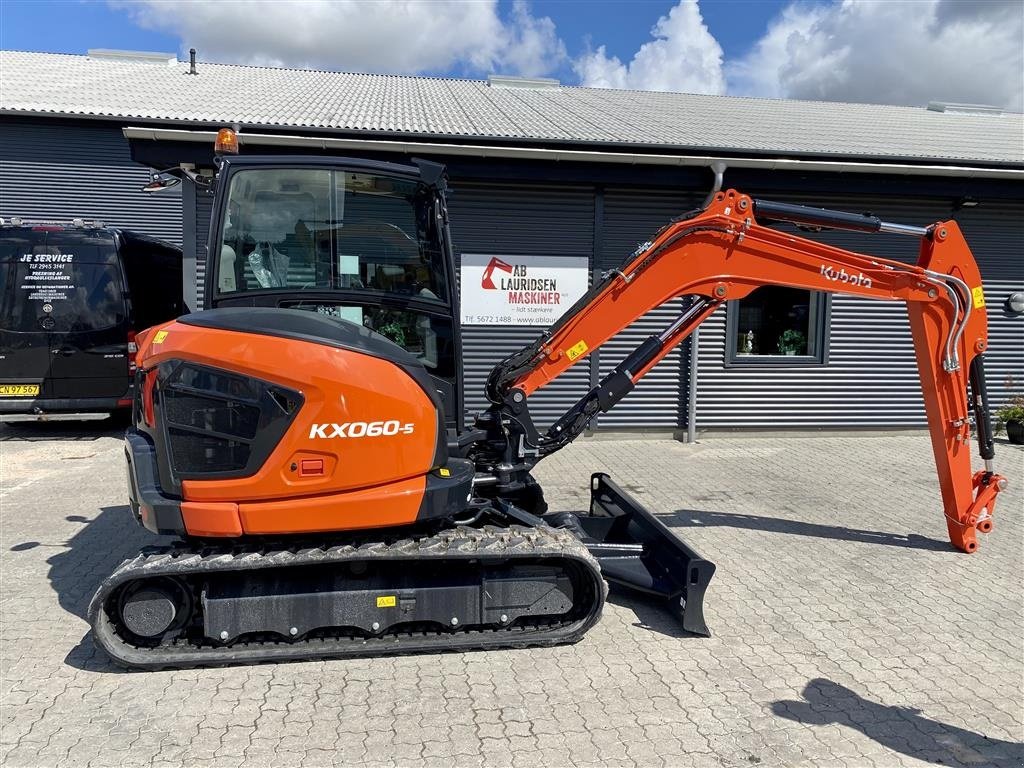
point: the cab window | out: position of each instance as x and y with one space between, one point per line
319 229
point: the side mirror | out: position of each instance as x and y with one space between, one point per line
158 182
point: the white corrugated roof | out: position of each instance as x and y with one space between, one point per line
45 83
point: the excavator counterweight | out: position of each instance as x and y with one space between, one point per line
328 499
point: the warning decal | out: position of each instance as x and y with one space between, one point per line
576 350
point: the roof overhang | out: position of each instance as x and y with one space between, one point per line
329 143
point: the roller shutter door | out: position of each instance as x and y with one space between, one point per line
204 211
61 170
995 232
541 221
659 400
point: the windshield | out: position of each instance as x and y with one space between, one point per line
317 229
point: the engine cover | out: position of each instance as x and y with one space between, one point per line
353 424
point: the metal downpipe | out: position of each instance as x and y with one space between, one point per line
691 388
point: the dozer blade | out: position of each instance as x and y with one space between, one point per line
637 551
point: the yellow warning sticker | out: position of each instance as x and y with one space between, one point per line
577 350
386 601
160 336
444 472
979 297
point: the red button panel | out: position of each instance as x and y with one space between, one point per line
311 467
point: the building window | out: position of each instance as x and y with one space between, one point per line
778 325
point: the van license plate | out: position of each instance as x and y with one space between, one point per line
19 390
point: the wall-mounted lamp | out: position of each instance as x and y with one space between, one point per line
1014 304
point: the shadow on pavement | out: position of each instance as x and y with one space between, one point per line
651 614
690 518
84 560
1010 446
901 729
62 431
88 557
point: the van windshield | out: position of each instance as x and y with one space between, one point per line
303 229
70 279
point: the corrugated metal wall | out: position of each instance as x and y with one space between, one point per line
530 221
65 169
55 169
204 211
995 232
871 376
631 217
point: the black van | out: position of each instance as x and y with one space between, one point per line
72 297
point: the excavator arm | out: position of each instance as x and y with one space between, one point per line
720 253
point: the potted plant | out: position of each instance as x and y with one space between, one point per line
792 342
394 331
1011 416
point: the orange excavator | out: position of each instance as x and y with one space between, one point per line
303 438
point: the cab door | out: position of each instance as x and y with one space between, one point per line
88 319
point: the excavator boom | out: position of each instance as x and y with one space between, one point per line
723 253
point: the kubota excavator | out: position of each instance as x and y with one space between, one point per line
328 499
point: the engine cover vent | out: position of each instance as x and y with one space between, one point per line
218 423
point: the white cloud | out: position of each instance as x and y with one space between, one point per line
530 46
683 56
890 53
400 36
758 73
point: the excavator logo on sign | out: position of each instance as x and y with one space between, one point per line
487 281
519 286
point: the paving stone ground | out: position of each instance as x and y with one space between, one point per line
846 631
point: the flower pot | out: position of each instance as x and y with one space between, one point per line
1015 432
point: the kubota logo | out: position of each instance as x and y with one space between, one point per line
487 281
842 276
361 429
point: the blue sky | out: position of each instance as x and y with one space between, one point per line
884 51
74 26
623 26
71 26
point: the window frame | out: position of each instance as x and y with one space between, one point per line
818 325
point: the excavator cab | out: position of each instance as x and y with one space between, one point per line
357 240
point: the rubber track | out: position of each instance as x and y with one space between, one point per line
477 544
